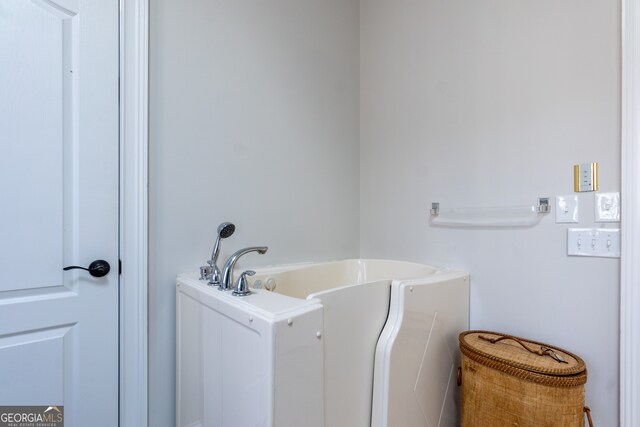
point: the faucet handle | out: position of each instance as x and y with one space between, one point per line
242 286
205 272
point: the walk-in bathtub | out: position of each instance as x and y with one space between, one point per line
353 343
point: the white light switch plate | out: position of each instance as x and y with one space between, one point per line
566 209
595 242
607 207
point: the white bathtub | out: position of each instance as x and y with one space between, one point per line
315 351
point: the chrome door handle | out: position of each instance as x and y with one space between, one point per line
97 268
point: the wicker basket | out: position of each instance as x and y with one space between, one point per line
509 381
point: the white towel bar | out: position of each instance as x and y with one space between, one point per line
508 216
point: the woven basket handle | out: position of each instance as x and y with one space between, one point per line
587 412
544 351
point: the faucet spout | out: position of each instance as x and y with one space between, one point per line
227 271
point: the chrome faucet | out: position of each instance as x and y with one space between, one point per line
227 271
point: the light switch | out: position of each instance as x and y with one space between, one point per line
566 209
585 177
594 242
607 207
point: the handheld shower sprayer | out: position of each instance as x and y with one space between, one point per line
225 230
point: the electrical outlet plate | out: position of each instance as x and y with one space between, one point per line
594 242
566 209
607 207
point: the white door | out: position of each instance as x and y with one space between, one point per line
59 207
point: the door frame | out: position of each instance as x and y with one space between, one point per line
134 65
630 177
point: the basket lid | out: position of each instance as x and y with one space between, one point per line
520 353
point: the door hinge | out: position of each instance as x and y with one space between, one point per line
120 266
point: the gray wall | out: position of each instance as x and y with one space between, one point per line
325 130
253 119
490 103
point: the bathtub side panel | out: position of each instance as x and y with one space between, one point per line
298 370
224 362
353 319
189 407
417 355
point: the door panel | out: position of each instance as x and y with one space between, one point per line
59 192
32 48
48 373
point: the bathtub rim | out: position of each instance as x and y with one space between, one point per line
274 305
